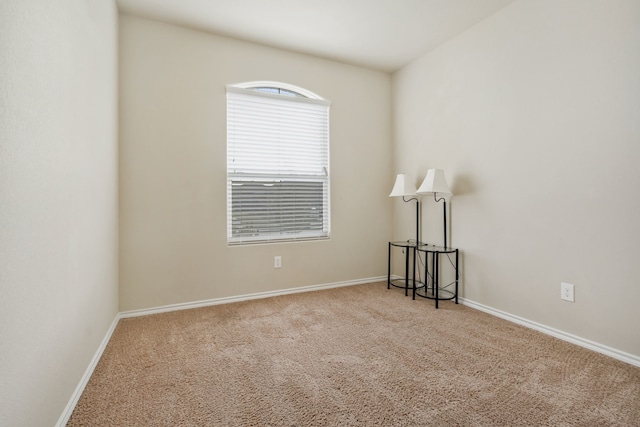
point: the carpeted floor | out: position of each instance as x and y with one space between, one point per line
354 356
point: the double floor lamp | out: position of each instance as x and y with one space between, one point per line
434 183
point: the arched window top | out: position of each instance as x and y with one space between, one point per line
279 88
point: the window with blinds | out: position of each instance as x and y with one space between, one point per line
277 164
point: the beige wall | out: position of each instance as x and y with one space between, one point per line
173 245
534 116
58 200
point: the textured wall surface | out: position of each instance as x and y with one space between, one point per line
533 115
58 200
173 213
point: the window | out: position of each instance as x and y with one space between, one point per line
277 164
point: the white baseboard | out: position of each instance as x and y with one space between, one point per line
73 401
582 342
246 297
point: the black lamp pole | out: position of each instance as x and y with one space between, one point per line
417 222
417 217
444 207
444 215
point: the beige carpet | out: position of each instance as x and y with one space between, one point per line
355 356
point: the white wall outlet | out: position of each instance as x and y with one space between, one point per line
567 292
277 261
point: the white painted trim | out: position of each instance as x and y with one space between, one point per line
582 342
84 380
313 100
297 89
247 297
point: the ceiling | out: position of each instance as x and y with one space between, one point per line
379 34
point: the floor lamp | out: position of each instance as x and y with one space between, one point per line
434 183
404 187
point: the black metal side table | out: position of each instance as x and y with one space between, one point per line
432 289
409 248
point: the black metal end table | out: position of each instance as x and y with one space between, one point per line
408 249
432 289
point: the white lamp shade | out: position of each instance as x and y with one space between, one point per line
404 186
434 182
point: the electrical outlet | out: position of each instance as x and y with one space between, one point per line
277 261
567 292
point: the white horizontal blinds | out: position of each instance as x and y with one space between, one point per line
277 167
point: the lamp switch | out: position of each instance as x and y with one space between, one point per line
277 261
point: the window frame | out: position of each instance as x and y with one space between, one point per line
294 94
